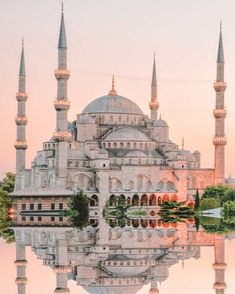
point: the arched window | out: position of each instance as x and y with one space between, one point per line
152 200
135 223
111 119
166 198
119 119
121 200
129 161
109 145
121 145
134 145
128 145
144 200
115 145
159 200
112 200
144 223
135 200
174 198
94 200
141 145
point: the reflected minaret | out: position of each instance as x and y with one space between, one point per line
219 265
219 139
20 263
62 105
154 104
21 120
61 267
154 288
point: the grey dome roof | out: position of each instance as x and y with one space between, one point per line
160 123
135 153
126 134
85 119
112 104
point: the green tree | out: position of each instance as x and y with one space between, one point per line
218 192
79 210
209 203
6 187
197 200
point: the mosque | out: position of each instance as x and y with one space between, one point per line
112 148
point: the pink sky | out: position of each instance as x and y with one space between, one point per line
119 37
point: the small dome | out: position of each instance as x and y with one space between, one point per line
112 104
135 153
187 155
85 119
196 152
160 123
126 134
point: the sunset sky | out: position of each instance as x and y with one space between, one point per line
119 37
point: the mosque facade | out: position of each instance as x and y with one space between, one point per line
113 148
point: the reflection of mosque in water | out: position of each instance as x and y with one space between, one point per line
114 260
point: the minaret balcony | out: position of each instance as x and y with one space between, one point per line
220 266
62 291
220 113
154 105
21 262
61 136
21 145
220 86
62 74
21 281
61 269
220 286
21 120
21 97
219 140
61 104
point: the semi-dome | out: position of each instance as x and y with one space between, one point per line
126 134
85 119
112 104
160 123
136 153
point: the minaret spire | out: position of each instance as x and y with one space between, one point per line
220 112
113 92
62 37
154 104
21 121
62 105
220 56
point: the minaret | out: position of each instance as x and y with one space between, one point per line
61 267
154 104
219 265
154 288
21 120
20 263
219 139
61 105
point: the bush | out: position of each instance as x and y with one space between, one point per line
209 203
229 208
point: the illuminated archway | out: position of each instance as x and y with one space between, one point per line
152 200
144 200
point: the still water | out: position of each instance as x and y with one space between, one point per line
104 259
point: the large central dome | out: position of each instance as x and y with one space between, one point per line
112 104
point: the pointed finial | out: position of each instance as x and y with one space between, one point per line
62 37
220 56
22 62
182 143
154 78
62 6
113 92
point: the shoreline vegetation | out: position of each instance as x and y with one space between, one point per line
220 196
6 187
